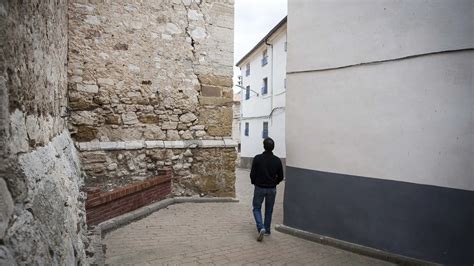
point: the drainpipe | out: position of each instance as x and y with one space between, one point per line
271 80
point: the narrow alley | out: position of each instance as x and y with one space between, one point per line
220 234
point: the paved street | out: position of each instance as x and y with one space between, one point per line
219 234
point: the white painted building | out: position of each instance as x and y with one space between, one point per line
236 123
263 81
380 131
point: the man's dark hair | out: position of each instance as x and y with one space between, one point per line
268 144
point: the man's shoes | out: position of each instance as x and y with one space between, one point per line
267 233
260 235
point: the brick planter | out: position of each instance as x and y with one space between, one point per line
101 206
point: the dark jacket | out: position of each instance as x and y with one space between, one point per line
267 170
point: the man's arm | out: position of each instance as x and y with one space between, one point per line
253 170
280 172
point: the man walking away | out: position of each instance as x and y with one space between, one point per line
266 174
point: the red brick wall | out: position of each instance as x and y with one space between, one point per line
101 206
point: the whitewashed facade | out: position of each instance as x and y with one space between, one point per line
263 83
380 125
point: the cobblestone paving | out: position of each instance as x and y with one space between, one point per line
218 234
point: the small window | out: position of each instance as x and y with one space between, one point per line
284 83
247 93
286 46
247 70
265 130
265 86
246 132
264 57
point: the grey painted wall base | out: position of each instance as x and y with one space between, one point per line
362 250
419 221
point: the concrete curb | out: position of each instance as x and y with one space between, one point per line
362 250
129 217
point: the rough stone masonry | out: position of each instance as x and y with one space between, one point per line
42 220
150 87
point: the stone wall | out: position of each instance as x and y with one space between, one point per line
199 167
153 70
41 208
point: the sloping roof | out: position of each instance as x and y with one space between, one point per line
278 26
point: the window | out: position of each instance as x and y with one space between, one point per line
286 46
246 132
284 83
264 57
247 69
265 130
247 93
265 86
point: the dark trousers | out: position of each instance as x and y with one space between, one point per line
260 194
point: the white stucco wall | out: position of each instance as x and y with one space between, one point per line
257 109
406 120
328 34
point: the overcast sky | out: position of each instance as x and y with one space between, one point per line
253 20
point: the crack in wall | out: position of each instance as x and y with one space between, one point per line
193 46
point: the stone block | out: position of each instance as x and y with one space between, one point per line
153 144
85 133
211 91
112 166
112 119
82 105
169 125
93 157
105 81
172 135
187 135
229 143
6 207
214 100
212 143
133 145
219 121
86 118
224 81
187 118
129 118
106 145
200 133
154 133
148 119
89 88
19 141
198 127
